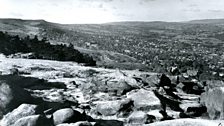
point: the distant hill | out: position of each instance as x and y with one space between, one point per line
208 21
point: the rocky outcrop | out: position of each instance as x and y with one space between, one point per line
213 99
23 110
11 96
68 94
109 108
144 99
33 120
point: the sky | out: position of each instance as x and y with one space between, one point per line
102 11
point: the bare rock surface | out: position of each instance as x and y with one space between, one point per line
144 99
63 115
213 100
33 120
18 113
66 93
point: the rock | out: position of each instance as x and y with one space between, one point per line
173 114
108 123
34 120
138 117
186 122
109 108
152 80
5 97
63 116
81 123
121 87
158 116
68 115
18 113
11 96
144 100
213 99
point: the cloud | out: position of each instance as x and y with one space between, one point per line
97 11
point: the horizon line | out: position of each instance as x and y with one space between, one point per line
145 21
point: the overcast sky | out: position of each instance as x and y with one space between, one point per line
100 11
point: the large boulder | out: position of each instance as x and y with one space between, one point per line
63 116
5 97
144 100
11 96
34 120
23 110
68 115
213 99
109 108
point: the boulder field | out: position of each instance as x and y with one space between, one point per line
42 92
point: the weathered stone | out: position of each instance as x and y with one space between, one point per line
144 100
138 117
63 115
121 87
213 99
158 116
34 120
109 108
11 96
18 113
152 80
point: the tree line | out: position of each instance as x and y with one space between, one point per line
42 49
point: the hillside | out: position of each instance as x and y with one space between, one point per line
146 73
150 46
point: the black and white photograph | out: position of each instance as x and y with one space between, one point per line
111 62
